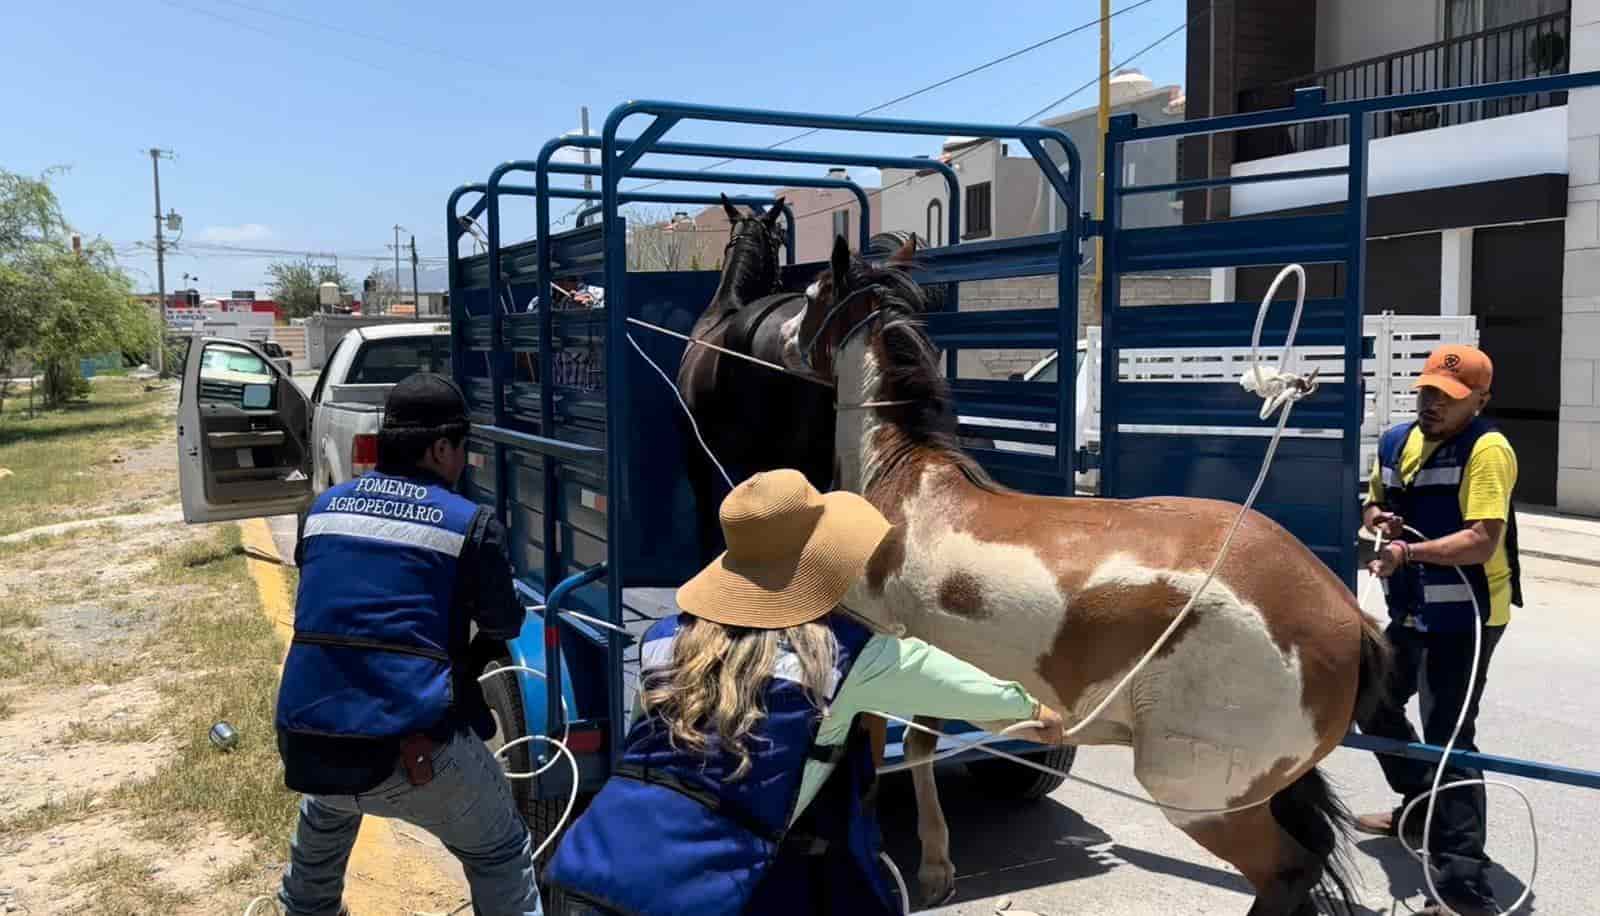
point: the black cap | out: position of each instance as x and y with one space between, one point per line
424 400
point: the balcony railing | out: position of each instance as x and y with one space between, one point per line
1533 47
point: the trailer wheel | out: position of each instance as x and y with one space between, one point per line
1005 780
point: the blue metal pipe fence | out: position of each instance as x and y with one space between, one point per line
865 217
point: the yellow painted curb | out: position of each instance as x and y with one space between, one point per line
384 877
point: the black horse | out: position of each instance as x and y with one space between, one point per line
753 418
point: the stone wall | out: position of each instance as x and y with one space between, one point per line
1040 293
1578 472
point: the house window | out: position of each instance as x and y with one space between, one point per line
979 197
935 233
841 223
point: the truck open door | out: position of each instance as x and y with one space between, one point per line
244 432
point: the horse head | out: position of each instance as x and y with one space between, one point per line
750 259
846 297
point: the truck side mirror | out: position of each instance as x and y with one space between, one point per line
256 397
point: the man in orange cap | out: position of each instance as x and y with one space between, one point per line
1442 491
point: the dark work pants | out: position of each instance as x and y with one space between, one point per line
1437 665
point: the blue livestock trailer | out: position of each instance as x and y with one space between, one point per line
577 442
586 471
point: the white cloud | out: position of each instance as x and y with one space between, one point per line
248 232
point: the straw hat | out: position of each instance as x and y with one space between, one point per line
792 553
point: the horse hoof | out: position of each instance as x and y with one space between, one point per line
937 882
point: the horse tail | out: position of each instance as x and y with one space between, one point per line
1309 812
1377 661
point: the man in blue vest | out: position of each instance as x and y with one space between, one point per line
1442 493
379 711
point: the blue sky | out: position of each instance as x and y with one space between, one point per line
310 126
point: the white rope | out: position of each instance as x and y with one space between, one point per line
868 405
1283 396
681 403
899 883
727 352
1432 796
981 745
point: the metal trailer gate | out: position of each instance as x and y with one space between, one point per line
1205 438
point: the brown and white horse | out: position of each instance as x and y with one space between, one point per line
1065 594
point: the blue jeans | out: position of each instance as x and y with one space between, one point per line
467 805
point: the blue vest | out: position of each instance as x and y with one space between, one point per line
371 650
668 836
1427 597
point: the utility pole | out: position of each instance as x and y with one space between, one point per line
395 295
583 124
416 297
1100 149
156 155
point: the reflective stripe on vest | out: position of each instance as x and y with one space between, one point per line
370 655
714 843
1426 597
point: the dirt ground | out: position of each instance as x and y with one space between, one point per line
124 635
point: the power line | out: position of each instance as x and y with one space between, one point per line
344 30
1045 110
932 86
1114 68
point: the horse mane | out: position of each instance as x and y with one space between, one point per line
909 370
748 264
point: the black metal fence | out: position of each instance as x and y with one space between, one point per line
1533 47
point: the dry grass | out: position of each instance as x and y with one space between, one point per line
50 814
231 645
55 455
125 885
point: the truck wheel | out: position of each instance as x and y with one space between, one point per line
505 706
542 815
1002 779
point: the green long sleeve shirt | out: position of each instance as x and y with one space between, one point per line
908 677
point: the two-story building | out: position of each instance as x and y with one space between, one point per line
820 214
1484 208
1004 196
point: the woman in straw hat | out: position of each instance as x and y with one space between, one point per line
744 787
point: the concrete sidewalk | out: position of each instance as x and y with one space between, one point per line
1570 538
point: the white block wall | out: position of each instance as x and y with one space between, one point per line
1578 481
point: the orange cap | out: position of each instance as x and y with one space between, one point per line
1457 370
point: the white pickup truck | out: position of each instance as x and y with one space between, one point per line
1400 345
347 400
251 443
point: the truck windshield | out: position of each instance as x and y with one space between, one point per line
1048 373
387 361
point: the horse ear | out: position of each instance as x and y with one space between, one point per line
907 252
773 212
730 209
840 262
